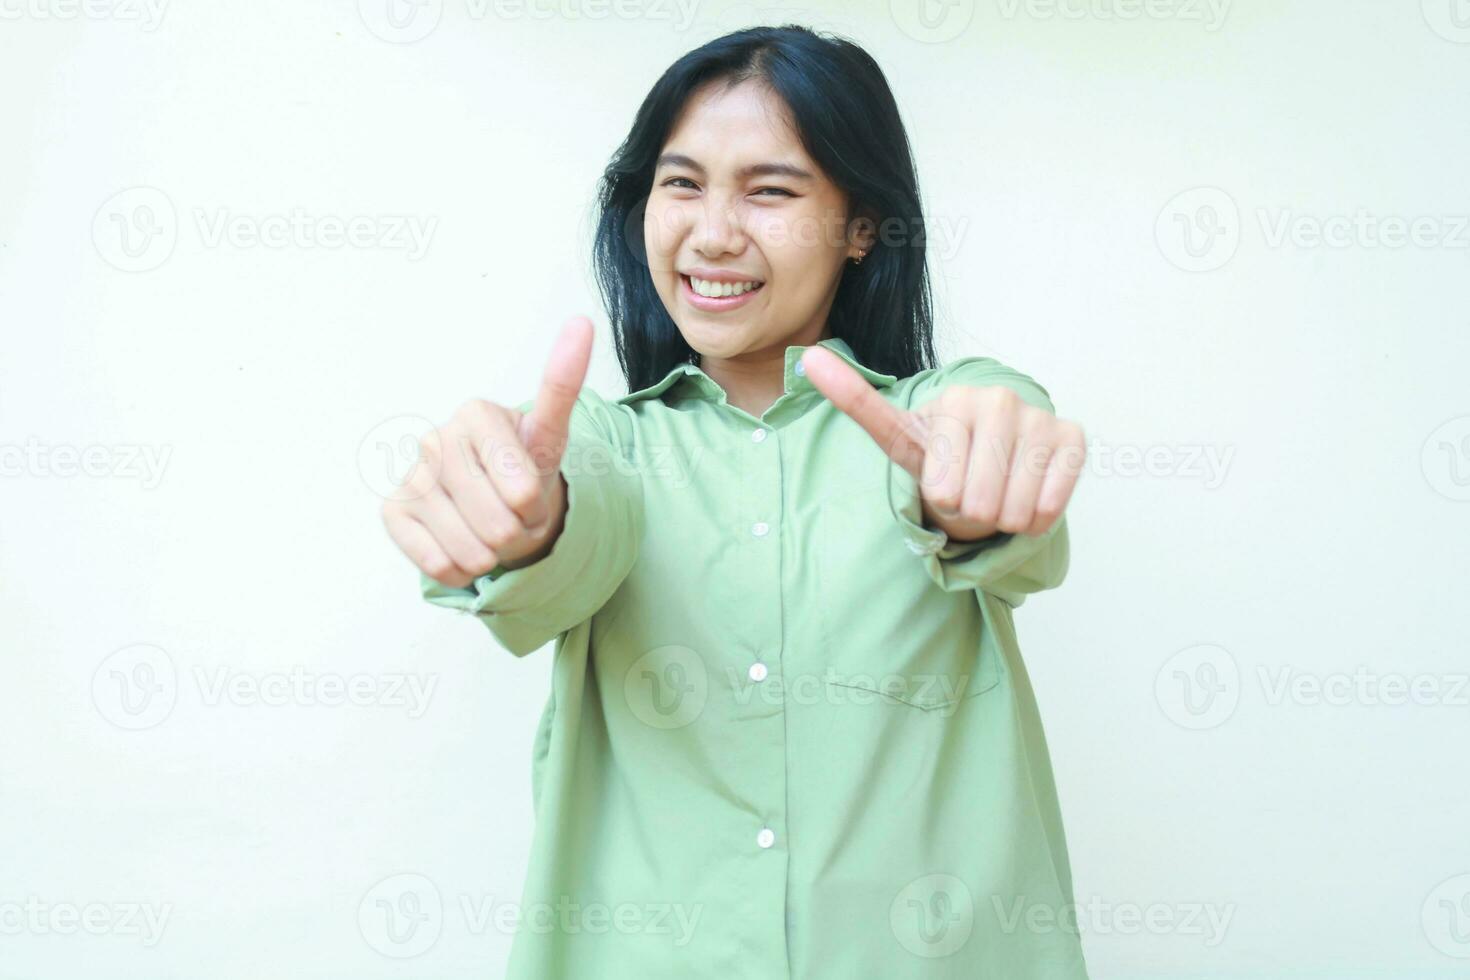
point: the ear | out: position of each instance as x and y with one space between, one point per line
862 231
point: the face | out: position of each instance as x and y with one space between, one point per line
745 236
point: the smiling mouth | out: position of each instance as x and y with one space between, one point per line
709 289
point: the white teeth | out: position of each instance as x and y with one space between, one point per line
705 287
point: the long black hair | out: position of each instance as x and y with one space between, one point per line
849 124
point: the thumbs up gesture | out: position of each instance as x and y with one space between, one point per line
985 461
487 488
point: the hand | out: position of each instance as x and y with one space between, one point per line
487 488
985 461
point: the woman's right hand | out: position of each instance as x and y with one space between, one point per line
487 488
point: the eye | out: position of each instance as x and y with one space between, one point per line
671 182
778 190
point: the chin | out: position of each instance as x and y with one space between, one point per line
712 339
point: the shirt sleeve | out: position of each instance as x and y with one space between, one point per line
525 608
1007 565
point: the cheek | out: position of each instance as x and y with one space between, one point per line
797 268
771 229
664 227
805 241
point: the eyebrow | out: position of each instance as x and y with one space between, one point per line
752 170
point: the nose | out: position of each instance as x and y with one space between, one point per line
718 230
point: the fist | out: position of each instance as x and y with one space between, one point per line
487 487
984 460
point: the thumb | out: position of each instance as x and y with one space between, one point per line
544 431
899 433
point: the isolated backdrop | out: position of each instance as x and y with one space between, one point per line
248 250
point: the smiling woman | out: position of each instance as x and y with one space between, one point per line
787 698
740 218
772 155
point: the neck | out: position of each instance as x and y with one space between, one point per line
755 379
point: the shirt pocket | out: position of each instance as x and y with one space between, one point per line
887 629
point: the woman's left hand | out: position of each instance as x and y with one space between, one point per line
985 461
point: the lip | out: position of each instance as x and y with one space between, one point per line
711 304
719 275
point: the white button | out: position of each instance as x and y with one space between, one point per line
760 529
757 671
800 369
759 435
766 837
927 548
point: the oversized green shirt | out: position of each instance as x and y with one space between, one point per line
790 733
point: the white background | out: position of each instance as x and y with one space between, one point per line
271 384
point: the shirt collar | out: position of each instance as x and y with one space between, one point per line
706 387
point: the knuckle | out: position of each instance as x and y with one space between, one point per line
991 447
946 431
1014 521
1035 458
946 500
503 459
484 563
1001 398
1035 421
499 536
436 566
955 395
521 497
979 510
478 558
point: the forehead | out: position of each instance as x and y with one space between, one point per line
749 119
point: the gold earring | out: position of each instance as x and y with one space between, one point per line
860 256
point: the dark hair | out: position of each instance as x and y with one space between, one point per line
849 124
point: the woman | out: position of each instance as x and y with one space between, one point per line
790 733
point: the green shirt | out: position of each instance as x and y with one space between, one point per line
790 733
